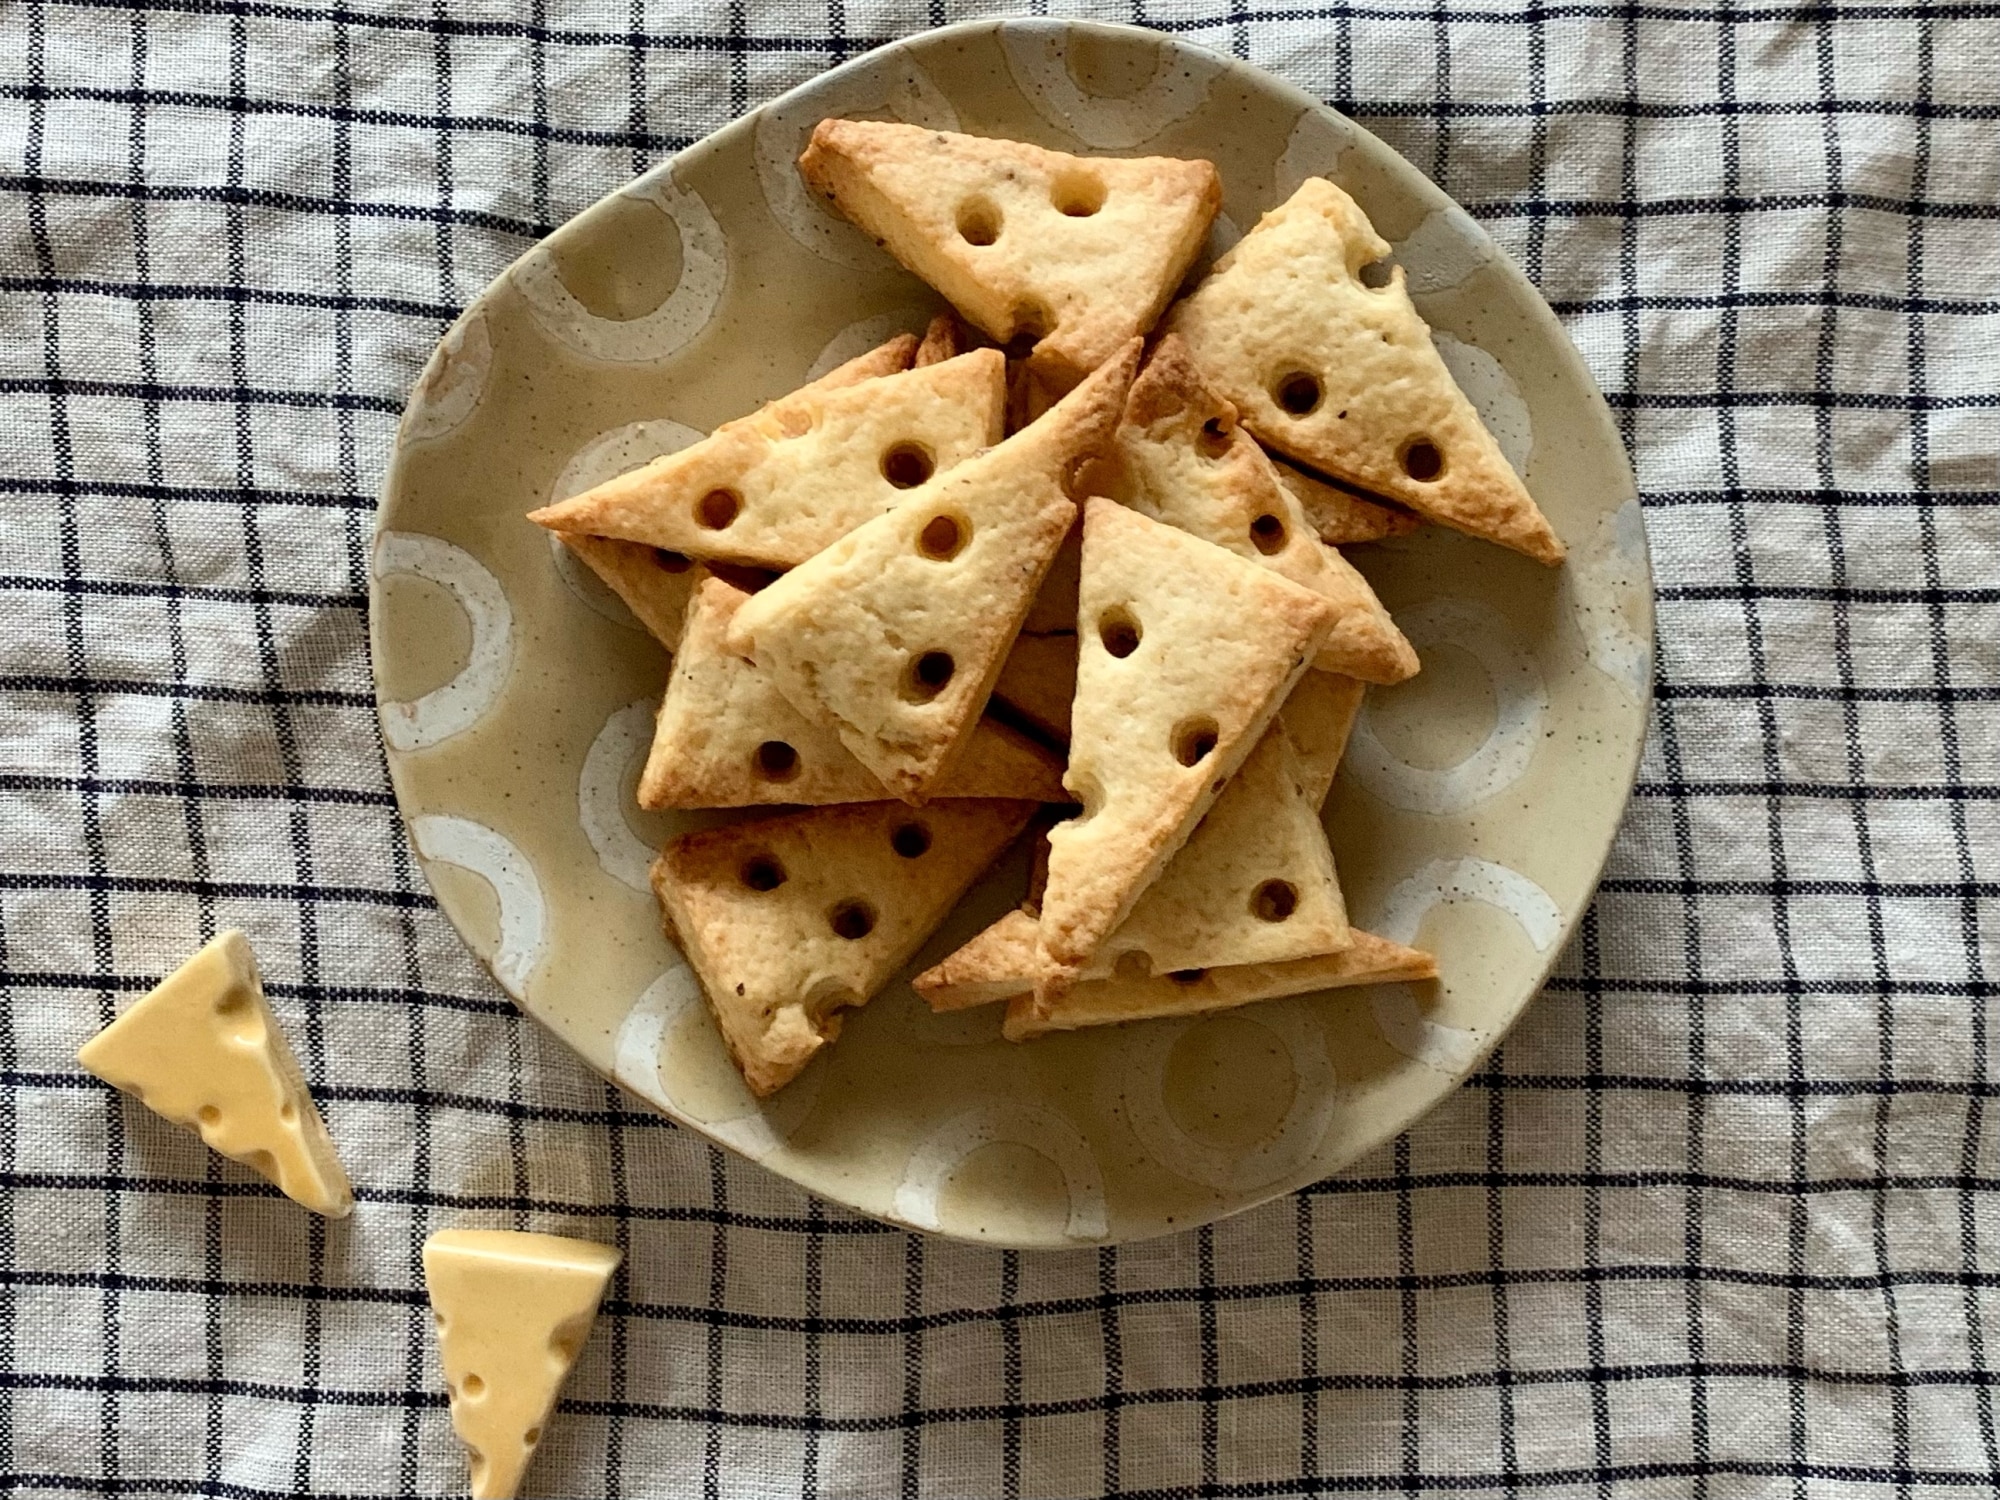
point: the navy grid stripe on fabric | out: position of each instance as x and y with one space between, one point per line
1721 1219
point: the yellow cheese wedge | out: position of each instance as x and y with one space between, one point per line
513 1311
204 1051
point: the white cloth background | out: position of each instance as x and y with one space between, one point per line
1720 1218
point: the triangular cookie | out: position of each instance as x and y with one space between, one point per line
1253 884
726 737
791 919
1343 376
1038 681
1101 1002
1054 609
1185 461
1002 962
204 1051
1076 253
653 582
771 489
1185 652
943 339
1318 717
1341 517
513 1312
896 632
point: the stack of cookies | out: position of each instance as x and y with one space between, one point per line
1080 583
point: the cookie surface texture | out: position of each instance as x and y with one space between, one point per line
771 489
1184 460
1078 253
1185 652
726 737
790 920
1344 376
896 633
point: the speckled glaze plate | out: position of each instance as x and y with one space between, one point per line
1472 816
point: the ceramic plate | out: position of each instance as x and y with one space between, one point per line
1472 816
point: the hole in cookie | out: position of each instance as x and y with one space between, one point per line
1133 963
942 538
672 562
978 222
717 508
1274 900
1119 632
1032 324
1194 740
852 920
1268 532
911 840
1077 193
1422 461
532 1436
1297 393
777 761
1188 976
208 1114
761 872
1377 274
474 1387
908 465
928 675
1214 440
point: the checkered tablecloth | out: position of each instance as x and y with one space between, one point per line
1722 1218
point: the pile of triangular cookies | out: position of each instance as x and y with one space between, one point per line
943 588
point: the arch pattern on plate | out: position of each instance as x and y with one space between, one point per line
1607 581
465 700
753 1127
1521 703
600 794
1494 394
1290 1146
454 378
676 322
995 1122
899 89
1446 250
1037 56
1319 139
1398 1016
495 859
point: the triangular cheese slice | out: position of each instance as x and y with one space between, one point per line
1077 253
513 1312
1038 681
726 737
1341 517
653 583
1002 962
204 1051
1253 884
790 920
1318 718
896 633
1185 651
772 489
1344 376
1185 461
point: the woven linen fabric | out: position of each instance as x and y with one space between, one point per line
1720 1219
